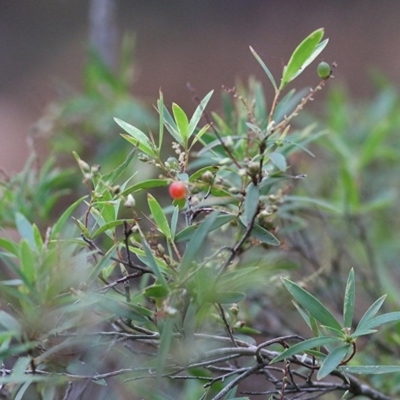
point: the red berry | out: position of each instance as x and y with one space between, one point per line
177 190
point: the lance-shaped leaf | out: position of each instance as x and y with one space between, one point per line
137 138
332 360
369 315
152 263
147 184
312 305
382 319
159 216
198 113
197 240
372 369
304 346
303 55
349 300
181 121
265 68
251 202
264 236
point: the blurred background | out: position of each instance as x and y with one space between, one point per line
43 44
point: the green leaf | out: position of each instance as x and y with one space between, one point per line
171 125
197 241
312 305
156 291
25 229
78 367
250 205
370 314
278 160
10 246
182 122
165 345
198 113
349 300
122 309
318 202
159 216
160 107
226 297
59 225
174 222
372 369
114 175
9 322
303 314
148 184
199 134
303 55
103 263
38 237
186 233
137 138
265 68
362 332
27 259
264 236
302 347
382 319
82 227
332 360
107 226
151 262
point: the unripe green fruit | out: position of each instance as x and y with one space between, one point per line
207 177
324 70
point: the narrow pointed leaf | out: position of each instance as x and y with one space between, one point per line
181 121
278 160
302 347
9 322
174 222
349 300
159 216
165 345
25 229
114 175
160 107
197 241
372 369
151 262
186 233
171 126
198 113
382 319
370 313
147 184
137 138
332 360
265 68
264 236
251 202
64 218
312 305
303 314
302 56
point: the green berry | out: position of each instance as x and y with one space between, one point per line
324 70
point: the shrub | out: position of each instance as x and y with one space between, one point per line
141 297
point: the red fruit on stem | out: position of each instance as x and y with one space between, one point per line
177 190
